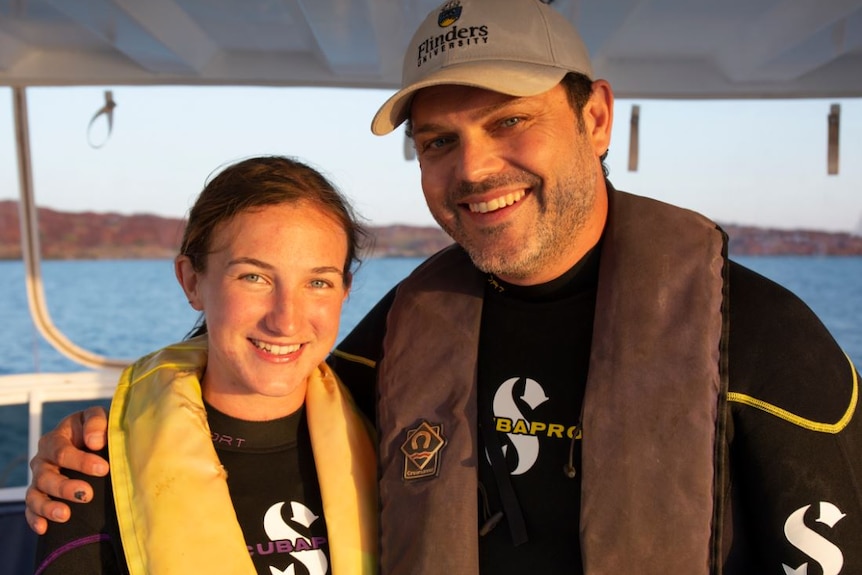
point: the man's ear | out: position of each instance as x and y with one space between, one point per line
599 116
188 278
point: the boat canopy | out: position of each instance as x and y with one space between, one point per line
665 49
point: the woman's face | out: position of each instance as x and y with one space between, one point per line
272 295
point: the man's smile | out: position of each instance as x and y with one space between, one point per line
497 203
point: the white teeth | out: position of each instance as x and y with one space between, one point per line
276 349
497 203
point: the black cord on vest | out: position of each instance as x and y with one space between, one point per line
569 468
491 521
511 507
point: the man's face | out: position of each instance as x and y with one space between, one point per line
516 181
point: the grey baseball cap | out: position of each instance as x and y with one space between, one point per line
515 47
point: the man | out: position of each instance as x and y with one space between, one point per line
585 383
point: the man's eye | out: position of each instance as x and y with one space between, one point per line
509 122
435 143
320 284
251 278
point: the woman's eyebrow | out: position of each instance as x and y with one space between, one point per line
262 264
250 261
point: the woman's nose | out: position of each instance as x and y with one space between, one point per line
285 314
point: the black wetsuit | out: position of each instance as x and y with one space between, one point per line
271 474
791 388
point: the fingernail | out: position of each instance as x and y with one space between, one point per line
58 514
94 439
100 469
79 495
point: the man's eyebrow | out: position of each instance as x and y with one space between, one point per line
480 112
425 128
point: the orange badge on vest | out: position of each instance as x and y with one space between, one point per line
421 451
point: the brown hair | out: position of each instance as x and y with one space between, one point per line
579 88
266 181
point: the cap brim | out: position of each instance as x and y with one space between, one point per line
512 78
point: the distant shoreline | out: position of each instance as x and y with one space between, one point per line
90 235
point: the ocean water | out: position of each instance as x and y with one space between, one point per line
126 308
130 307
830 285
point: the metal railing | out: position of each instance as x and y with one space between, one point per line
31 252
35 390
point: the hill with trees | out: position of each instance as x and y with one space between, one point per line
90 235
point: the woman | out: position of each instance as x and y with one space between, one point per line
238 451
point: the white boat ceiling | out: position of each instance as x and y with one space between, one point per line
646 48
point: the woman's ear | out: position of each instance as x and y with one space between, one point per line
189 281
348 283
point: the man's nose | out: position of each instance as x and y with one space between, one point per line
478 157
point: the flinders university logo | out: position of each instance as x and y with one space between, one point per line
449 14
454 38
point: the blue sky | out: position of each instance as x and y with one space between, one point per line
745 162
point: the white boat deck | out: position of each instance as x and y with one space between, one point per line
34 391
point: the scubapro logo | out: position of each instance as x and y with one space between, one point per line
278 530
526 446
817 547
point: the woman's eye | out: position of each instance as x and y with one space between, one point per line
251 278
320 284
